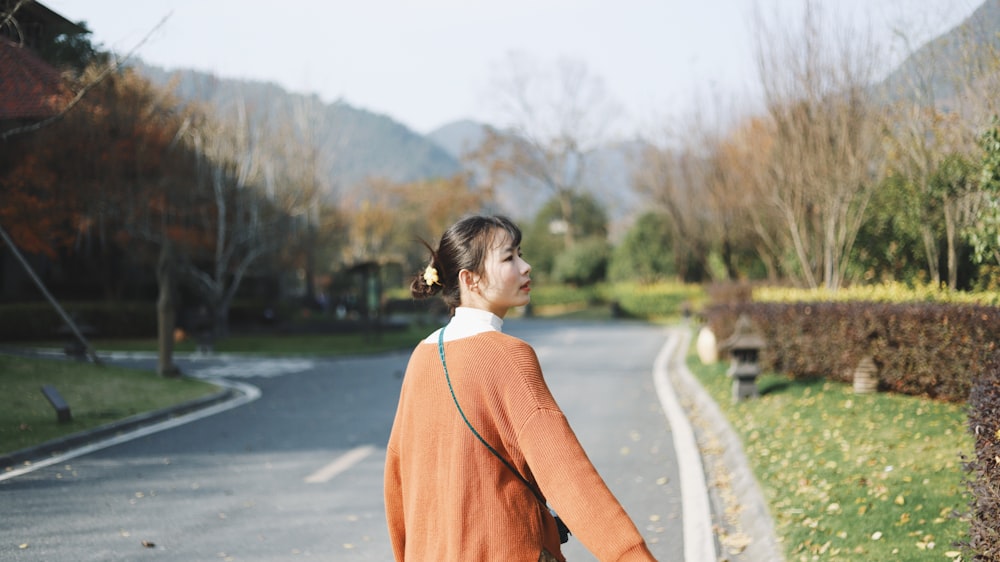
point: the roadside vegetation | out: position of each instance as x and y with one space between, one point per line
852 476
155 221
97 395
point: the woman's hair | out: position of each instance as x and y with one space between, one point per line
463 246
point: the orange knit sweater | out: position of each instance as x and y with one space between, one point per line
448 498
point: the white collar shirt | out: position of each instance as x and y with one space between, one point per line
468 322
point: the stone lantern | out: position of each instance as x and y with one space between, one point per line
744 350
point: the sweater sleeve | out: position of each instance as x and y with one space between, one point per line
577 492
394 503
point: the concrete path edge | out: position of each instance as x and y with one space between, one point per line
722 449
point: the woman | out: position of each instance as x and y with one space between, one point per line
479 445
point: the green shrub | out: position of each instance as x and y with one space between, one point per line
544 237
585 263
645 254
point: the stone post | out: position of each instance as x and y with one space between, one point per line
744 350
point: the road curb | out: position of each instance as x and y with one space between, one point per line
722 450
60 445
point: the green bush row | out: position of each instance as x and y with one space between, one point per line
653 301
558 295
927 349
36 321
40 321
656 301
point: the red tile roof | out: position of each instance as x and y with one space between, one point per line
30 88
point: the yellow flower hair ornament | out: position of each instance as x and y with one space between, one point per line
431 276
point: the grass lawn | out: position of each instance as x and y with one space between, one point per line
96 396
852 476
101 395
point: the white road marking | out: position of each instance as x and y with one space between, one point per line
342 463
699 543
255 368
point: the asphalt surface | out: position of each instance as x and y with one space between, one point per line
286 461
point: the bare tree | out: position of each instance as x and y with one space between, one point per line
297 183
238 224
372 225
557 116
826 149
748 151
673 180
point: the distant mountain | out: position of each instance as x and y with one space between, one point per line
359 144
460 137
930 73
609 176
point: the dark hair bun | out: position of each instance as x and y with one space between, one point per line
428 282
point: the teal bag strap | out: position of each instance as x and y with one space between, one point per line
474 432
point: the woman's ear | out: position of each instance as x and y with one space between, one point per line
468 280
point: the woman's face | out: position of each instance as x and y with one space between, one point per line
506 282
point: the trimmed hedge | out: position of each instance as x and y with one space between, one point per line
40 321
549 294
923 349
653 301
984 471
656 301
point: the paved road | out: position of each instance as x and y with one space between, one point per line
297 473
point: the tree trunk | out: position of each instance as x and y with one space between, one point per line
931 252
950 236
166 307
566 207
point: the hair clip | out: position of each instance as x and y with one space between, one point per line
431 276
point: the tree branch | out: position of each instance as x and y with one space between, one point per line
83 91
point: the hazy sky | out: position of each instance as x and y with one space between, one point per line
426 63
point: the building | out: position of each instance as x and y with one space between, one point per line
30 86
